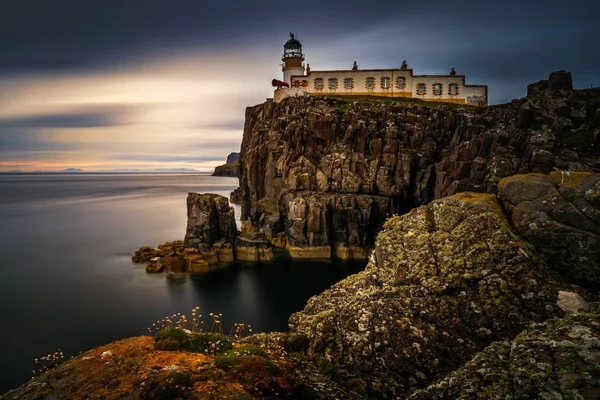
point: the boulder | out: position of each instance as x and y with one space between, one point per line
144 254
444 281
559 214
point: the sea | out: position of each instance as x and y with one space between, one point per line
68 282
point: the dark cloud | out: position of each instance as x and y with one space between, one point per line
43 34
89 119
492 42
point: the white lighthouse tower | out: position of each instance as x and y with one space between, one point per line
292 59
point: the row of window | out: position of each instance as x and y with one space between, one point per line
384 83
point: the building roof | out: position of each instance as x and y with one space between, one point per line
292 44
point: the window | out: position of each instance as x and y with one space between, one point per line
333 83
370 83
348 83
319 83
400 82
385 82
437 89
421 88
453 89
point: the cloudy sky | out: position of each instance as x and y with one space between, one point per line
147 84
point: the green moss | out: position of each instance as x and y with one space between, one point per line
247 363
298 356
172 339
252 351
343 107
401 282
581 139
174 386
208 342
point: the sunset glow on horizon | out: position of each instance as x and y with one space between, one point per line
138 90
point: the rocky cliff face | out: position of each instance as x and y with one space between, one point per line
320 175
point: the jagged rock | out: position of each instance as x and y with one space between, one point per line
407 153
210 221
144 254
155 267
321 224
236 196
253 248
444 281
557 214
558 359
170 248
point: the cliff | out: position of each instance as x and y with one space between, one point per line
320 175
230 168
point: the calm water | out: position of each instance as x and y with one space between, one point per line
68 281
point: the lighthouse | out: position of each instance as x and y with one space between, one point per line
292 59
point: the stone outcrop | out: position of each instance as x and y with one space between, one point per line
235 196
230 168
558 359
144 254
173 258
211 227
444 282
560 215
253 248
358 162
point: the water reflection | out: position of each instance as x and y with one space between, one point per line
68 280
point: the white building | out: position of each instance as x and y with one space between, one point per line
395 82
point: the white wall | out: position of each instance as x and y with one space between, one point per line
466 93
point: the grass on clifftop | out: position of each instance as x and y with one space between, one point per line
349 100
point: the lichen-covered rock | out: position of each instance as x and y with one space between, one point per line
133 369
559 215
444 281
557 359
210 221
403 151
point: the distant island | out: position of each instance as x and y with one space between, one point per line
230 168
72 170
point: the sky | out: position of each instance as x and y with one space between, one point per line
148 84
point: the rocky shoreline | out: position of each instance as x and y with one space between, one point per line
482 231
455 302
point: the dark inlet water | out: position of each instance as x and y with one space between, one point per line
68 281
